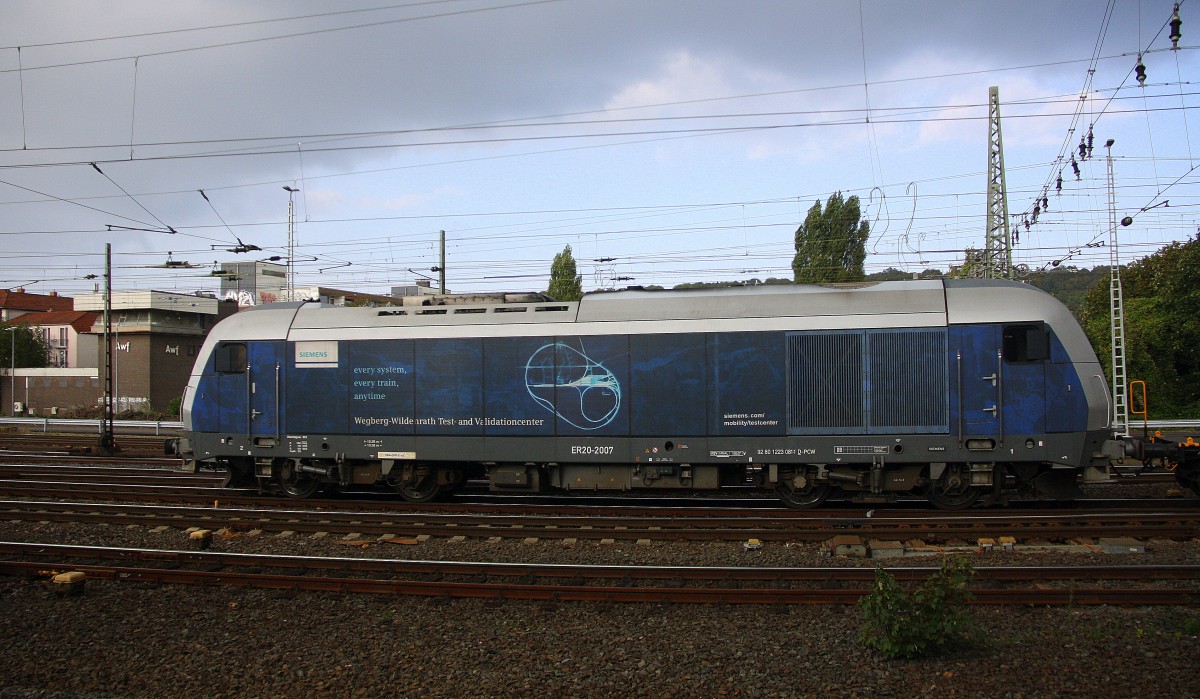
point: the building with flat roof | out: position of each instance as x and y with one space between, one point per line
252 283
155 338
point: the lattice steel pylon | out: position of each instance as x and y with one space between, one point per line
1120 417
997 253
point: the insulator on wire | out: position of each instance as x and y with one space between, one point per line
1090 139
1082 150
1075 167
1045 202
1176 23
1058 184
1139 71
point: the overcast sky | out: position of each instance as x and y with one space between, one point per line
683 139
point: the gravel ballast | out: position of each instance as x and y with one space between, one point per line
136 640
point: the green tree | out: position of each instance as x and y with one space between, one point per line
972 265
1161 293
831 243
32 351
565 283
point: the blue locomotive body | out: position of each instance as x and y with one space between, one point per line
957 390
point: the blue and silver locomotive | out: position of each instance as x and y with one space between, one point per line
957 390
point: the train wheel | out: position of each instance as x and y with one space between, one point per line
800 491
419 484
953 490
295 484
238 474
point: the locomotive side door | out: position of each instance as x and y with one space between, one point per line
975 355
263 377
248 375
1001 379
230 365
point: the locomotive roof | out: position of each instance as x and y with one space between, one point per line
766 301
916 303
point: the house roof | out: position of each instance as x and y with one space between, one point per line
25 301
82 321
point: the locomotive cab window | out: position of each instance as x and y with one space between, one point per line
1026 343
231 358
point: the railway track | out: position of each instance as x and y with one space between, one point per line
69 494
1157 585
131 446
932 527
163 480
66 493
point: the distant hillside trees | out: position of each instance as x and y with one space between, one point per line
1069 284
721 285
891 274
1162 338
831 243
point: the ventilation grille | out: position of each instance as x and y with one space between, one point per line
825 383
867 382
908 381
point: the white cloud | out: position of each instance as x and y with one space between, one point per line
682 77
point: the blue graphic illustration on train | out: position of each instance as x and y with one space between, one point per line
579 390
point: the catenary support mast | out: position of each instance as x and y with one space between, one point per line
997 262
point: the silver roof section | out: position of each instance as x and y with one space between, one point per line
766 301
976 301
921 302
267 322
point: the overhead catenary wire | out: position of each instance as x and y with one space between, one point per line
505 228
290 35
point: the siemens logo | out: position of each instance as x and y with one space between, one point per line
321 354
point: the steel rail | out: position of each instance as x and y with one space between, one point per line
71 481
164 485
42 471
396 566
1166 510
129 487
1145 524
585 593
41 457
373 504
